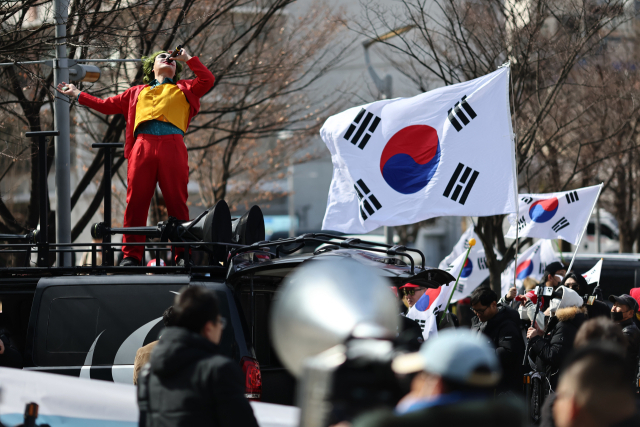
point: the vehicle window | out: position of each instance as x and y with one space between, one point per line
617 281
118 318
63 336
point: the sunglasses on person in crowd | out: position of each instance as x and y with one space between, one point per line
412 291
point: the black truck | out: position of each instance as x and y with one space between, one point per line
89 321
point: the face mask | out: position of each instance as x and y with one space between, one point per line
559 278
616 316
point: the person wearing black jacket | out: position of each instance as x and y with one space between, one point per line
187 381
500 324
623 311
595 308
550 347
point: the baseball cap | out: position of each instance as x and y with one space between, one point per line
625 299
457 355
410 285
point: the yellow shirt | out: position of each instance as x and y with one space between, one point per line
164 102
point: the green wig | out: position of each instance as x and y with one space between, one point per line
147 67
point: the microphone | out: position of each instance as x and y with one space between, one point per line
176 52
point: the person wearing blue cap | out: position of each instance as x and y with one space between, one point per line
456 372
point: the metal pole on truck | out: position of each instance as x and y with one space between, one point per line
62 144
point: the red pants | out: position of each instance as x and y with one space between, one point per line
155 159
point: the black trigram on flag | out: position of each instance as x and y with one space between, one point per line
527 200
464 181
541 268
522 223
367 199
562 223
572 196
359 127
482 263
456 113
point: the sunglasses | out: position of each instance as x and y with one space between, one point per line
412 291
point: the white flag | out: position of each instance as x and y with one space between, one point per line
429 308
593 275
445 152
554 215
473 271
531 263
459 248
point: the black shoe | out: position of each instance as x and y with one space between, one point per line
180 261
129 262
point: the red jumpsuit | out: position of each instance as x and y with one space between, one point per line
154 159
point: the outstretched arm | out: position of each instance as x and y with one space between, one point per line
111 105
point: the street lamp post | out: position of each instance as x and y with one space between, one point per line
385 87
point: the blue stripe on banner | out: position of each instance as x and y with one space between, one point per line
55 421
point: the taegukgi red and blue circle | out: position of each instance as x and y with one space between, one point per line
524 269
467 269
410 158
543 210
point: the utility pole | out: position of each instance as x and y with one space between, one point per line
62 144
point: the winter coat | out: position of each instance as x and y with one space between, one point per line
631 331
126 102
550 350
191 384
503 412
504 334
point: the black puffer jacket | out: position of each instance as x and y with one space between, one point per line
191 384
631 331
504 334
550 350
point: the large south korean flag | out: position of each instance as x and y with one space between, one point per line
561 215
445 152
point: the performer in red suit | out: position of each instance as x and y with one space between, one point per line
158 114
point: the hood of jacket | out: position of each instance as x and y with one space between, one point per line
177 348
569 314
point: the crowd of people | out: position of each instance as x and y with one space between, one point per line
575 364
547 360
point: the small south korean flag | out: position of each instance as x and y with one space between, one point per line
593 275
428 310
473 271
448 152
530 264
561 215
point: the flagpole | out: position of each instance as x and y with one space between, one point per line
472 243
515 174
573 258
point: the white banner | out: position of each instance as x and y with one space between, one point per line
442 153
66 401
531 263
593 275
554 215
